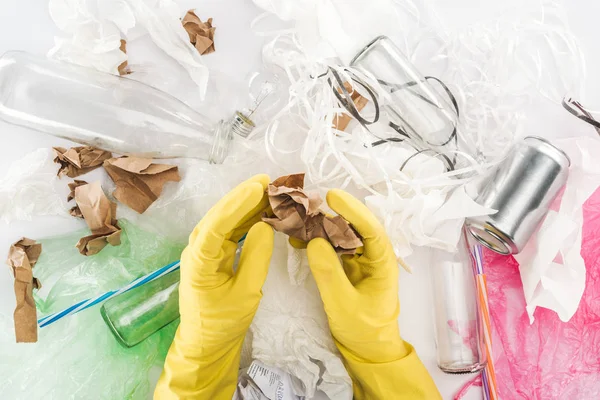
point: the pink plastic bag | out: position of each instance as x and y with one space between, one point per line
549 359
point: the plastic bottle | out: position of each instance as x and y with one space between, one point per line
107 111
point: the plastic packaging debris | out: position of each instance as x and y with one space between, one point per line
548 359
22 257
95 28
431 217
290 329
105 111
552 269
28 188
91 39
161 19
80 353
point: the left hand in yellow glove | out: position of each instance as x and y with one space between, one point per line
217 304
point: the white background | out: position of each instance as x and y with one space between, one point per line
26 25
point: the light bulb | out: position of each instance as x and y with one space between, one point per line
265 97
265 94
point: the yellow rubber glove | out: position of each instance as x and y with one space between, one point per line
216 304
362 306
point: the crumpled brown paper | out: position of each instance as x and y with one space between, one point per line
75 211
202 34
22 256
123 67
341 121
100 215
298 215
139 181
79 160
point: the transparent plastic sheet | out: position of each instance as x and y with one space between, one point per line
78 355
28 188
548 359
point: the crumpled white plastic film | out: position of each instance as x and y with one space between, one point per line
290 329
94 41
27 190
94 30
552 269
161 18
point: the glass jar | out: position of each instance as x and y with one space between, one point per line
106 111
424 115
458 330
135 315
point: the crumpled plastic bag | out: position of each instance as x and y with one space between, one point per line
28 188
548 359
290 329
94 30
78 355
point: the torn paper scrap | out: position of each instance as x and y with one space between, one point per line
22 256
75 211
79 160
298 215
123 68
100 215
202 34
139 181
262 382
342 120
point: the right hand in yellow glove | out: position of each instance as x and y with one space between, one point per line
361 301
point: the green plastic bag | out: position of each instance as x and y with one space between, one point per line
78 357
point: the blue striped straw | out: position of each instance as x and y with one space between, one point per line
82 305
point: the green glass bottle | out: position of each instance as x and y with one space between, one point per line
134 315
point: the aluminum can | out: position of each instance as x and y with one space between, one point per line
521 188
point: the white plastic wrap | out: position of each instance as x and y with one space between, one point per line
290 329
28 188
94 30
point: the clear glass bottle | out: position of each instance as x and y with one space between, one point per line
135 315
458 330
410 103
107 111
